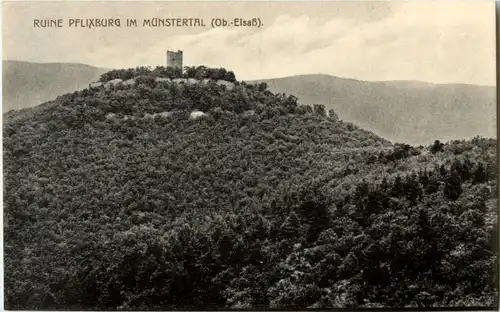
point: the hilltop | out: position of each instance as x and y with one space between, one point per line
413 112
159 193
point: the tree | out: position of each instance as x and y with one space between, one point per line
480 174
290 228
432 185
229 76
201 72
412 188
453 186
332 115
437 147
316 214
262 86
442 171
319 109
190 71
398 187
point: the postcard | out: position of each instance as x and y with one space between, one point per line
249 155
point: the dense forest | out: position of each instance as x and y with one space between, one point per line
197 72
259 203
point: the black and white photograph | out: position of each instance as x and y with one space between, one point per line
249 155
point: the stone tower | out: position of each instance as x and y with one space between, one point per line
174 59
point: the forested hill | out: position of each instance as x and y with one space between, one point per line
160 194
412 112
404 111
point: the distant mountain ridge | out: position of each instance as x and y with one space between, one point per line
413 112
26 84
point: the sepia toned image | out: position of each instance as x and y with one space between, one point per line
249 155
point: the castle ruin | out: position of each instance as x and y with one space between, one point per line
174 59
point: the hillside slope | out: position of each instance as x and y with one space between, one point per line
27 84
259 202
401 111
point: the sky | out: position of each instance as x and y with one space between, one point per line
440 42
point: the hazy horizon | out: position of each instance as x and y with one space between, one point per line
270 78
